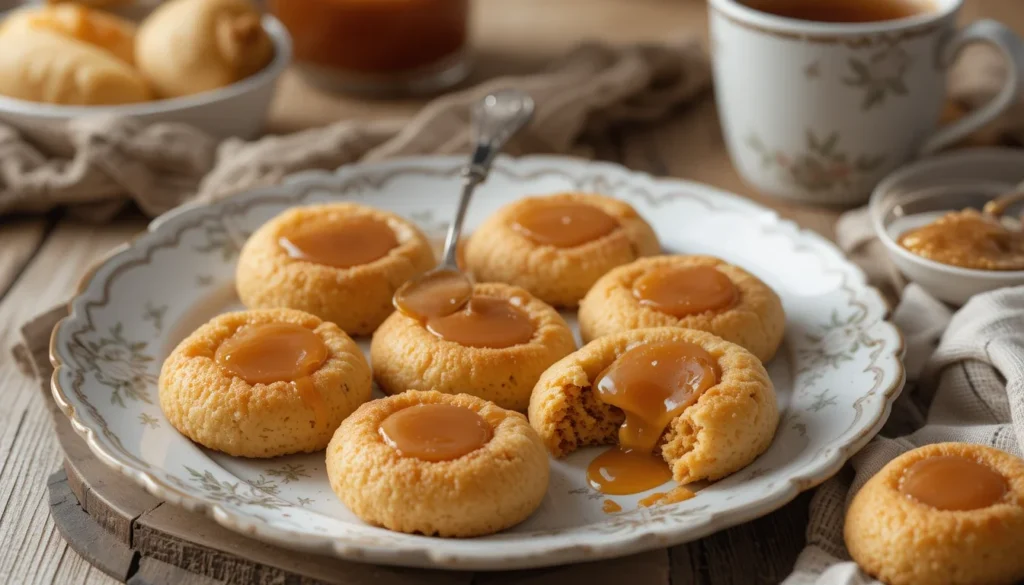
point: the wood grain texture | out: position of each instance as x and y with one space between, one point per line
20 238
31 550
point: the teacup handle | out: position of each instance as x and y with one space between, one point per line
995 33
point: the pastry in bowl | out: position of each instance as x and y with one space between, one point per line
100 29
557 246
342 262
673 403
696 292
438 464
69 55
947 513
495 348
190 46
263 383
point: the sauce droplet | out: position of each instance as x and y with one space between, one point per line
652 384
619 472
682 291
435 432
563 225
651 500
339 243
485 322
673 496
277 352
610 507
435 294
951 482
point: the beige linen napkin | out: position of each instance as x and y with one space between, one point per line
96 165
970 388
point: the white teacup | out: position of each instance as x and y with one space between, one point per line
819 112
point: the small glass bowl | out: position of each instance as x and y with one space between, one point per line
924 191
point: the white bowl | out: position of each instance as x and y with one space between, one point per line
239 109
922 192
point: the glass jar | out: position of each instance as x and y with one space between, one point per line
378 47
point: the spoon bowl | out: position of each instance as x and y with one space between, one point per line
445 290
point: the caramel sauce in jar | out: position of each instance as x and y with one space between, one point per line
435 432
277 352
564 225
682 291
485 322
951 482
341 244
652 384
968 239
374 36
437 294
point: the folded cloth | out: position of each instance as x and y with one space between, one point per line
97 165
964 370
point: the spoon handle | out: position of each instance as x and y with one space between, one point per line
998 206
495 119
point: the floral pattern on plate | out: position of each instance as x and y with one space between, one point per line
835 378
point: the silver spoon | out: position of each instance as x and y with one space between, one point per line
446 289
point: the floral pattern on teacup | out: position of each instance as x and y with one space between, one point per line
822 166
879 75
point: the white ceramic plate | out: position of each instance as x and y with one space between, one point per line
836 377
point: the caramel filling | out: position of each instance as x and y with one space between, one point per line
435 432
968 239
951 482
277 352
564 225
342 244
484 322
652 384
437 294
682 291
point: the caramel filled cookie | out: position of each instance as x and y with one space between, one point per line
341 262
495 348
702 404
948 513
696 292
557 246
438 464
263 383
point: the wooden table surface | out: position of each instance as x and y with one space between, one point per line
42 258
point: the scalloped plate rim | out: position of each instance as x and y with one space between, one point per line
656 536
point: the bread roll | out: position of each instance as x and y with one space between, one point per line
100 29
190 46
44 66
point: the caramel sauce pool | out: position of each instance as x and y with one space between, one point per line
437 294
681 291
967 239
564 225
435 432
484 322
277 352
652 384
341 244
951 482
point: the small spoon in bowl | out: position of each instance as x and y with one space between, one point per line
998 206
446 289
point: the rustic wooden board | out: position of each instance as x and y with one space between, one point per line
136 538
